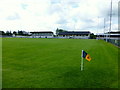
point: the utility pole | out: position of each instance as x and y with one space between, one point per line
105 35
110 18
98 29
104 28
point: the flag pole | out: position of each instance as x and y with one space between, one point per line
82 61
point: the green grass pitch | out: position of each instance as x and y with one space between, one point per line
55 63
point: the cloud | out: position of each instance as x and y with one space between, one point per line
15 16
38 15
24 6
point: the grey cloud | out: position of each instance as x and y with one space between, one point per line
105 10
24 6
73 4
87 20
56 8
55 1
65 27
15 16
62 21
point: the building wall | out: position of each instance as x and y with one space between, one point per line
74 36
42 34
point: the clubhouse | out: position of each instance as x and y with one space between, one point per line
42 34
75 34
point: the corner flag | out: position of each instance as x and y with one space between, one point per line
86 56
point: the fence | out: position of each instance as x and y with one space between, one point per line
114 41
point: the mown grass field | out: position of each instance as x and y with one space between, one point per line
55 63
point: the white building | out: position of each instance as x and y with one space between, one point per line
42 34
75 34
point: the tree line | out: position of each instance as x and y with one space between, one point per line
9 33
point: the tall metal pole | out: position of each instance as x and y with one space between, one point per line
110 18
105 35
104 28
98 29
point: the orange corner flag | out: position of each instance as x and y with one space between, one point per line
86 56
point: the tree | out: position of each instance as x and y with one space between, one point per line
92 36
2 33
60 30
14 32
8 33
20 32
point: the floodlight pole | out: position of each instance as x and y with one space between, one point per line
105 36
97 29
110 18
104 28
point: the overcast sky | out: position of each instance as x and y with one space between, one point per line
48 15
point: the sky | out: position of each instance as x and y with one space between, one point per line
48 15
